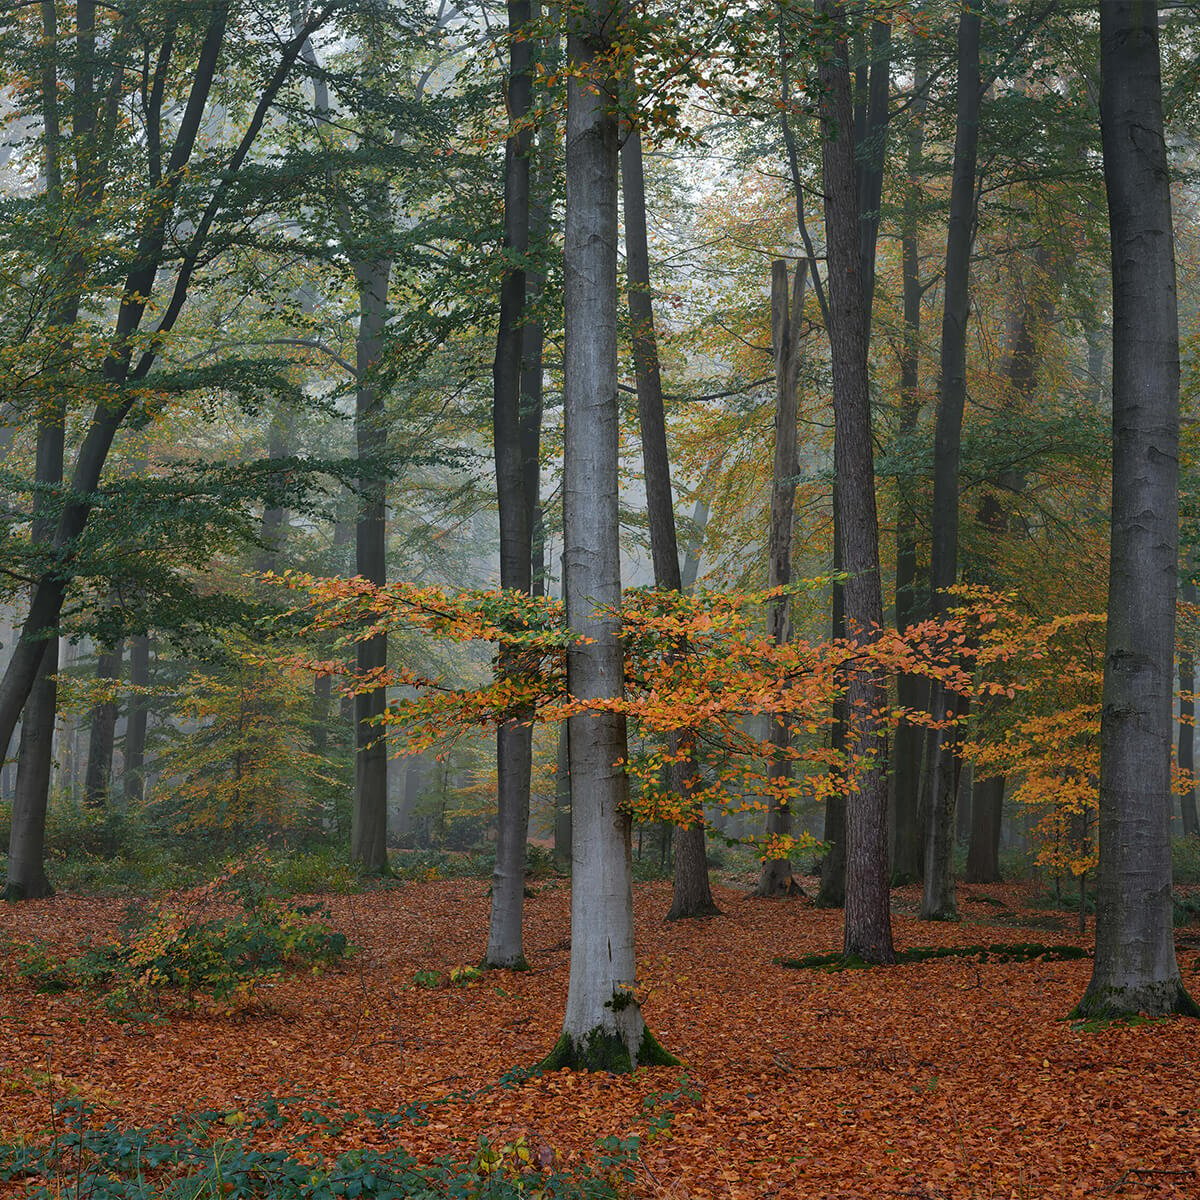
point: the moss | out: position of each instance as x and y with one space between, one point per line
995 952
605 1050
518 964
1164 998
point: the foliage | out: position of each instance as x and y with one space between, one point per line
181 947
1002 952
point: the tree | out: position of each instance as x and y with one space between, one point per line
603 1027
1135 969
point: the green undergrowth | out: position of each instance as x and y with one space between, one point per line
996 952
214 943
272 1151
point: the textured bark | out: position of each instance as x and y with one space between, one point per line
938 899
603 1026
912 691
103 727
868 930
1186 754
514 739
692 894
787 314
1135 970
562 800
871 125
368 828
983 853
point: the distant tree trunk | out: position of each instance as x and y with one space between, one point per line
868 930
692 895
938 901
987 808
1135 969
133 779
912 691
787 316
274 518
103 727
368 830
603 1027
514 739
1187 711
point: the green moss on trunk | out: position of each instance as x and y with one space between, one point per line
605 1050
1166 998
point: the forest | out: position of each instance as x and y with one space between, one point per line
599 599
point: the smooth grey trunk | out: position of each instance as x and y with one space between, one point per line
787 316
603 1027
938 899
1186 754
562 800
133 781
692 891
97 780
368 827
868 929
1135 969
514 738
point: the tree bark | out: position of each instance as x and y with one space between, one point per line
368 827
1135 970
787 315
603 1028
938 900
983 853
514 739
692 895
133 782
97 780
868 931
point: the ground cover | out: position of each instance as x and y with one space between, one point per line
945 1078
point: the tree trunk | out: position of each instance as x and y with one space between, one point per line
603 1028
514 739
562 801
938 901
368 829
868 930
103 722
987 807
1187 712
692 895
787 315
1135 969
133 780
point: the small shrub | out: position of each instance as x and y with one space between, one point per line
1185 860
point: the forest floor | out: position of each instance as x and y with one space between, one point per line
947 1079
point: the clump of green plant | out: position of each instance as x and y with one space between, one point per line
455 977
212 1156
214 942
1185 860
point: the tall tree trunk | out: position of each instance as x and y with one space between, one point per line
912 691
1135 970
103 726
562 800
938 901
692 894
787 316
603 1027
868 930
1187 711
133 782
368 829
514 739
987 808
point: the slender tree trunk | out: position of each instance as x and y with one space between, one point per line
133 781
692 895
603 1026
1135 969
514 739
1187 712
868 931
938 901
787 315
103 726
368 829
987 808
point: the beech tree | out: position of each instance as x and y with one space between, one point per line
1135 969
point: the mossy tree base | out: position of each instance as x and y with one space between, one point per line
605 1050
40 889
1165 998
519 963
693 912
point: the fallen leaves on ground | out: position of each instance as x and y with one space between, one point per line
942 1080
